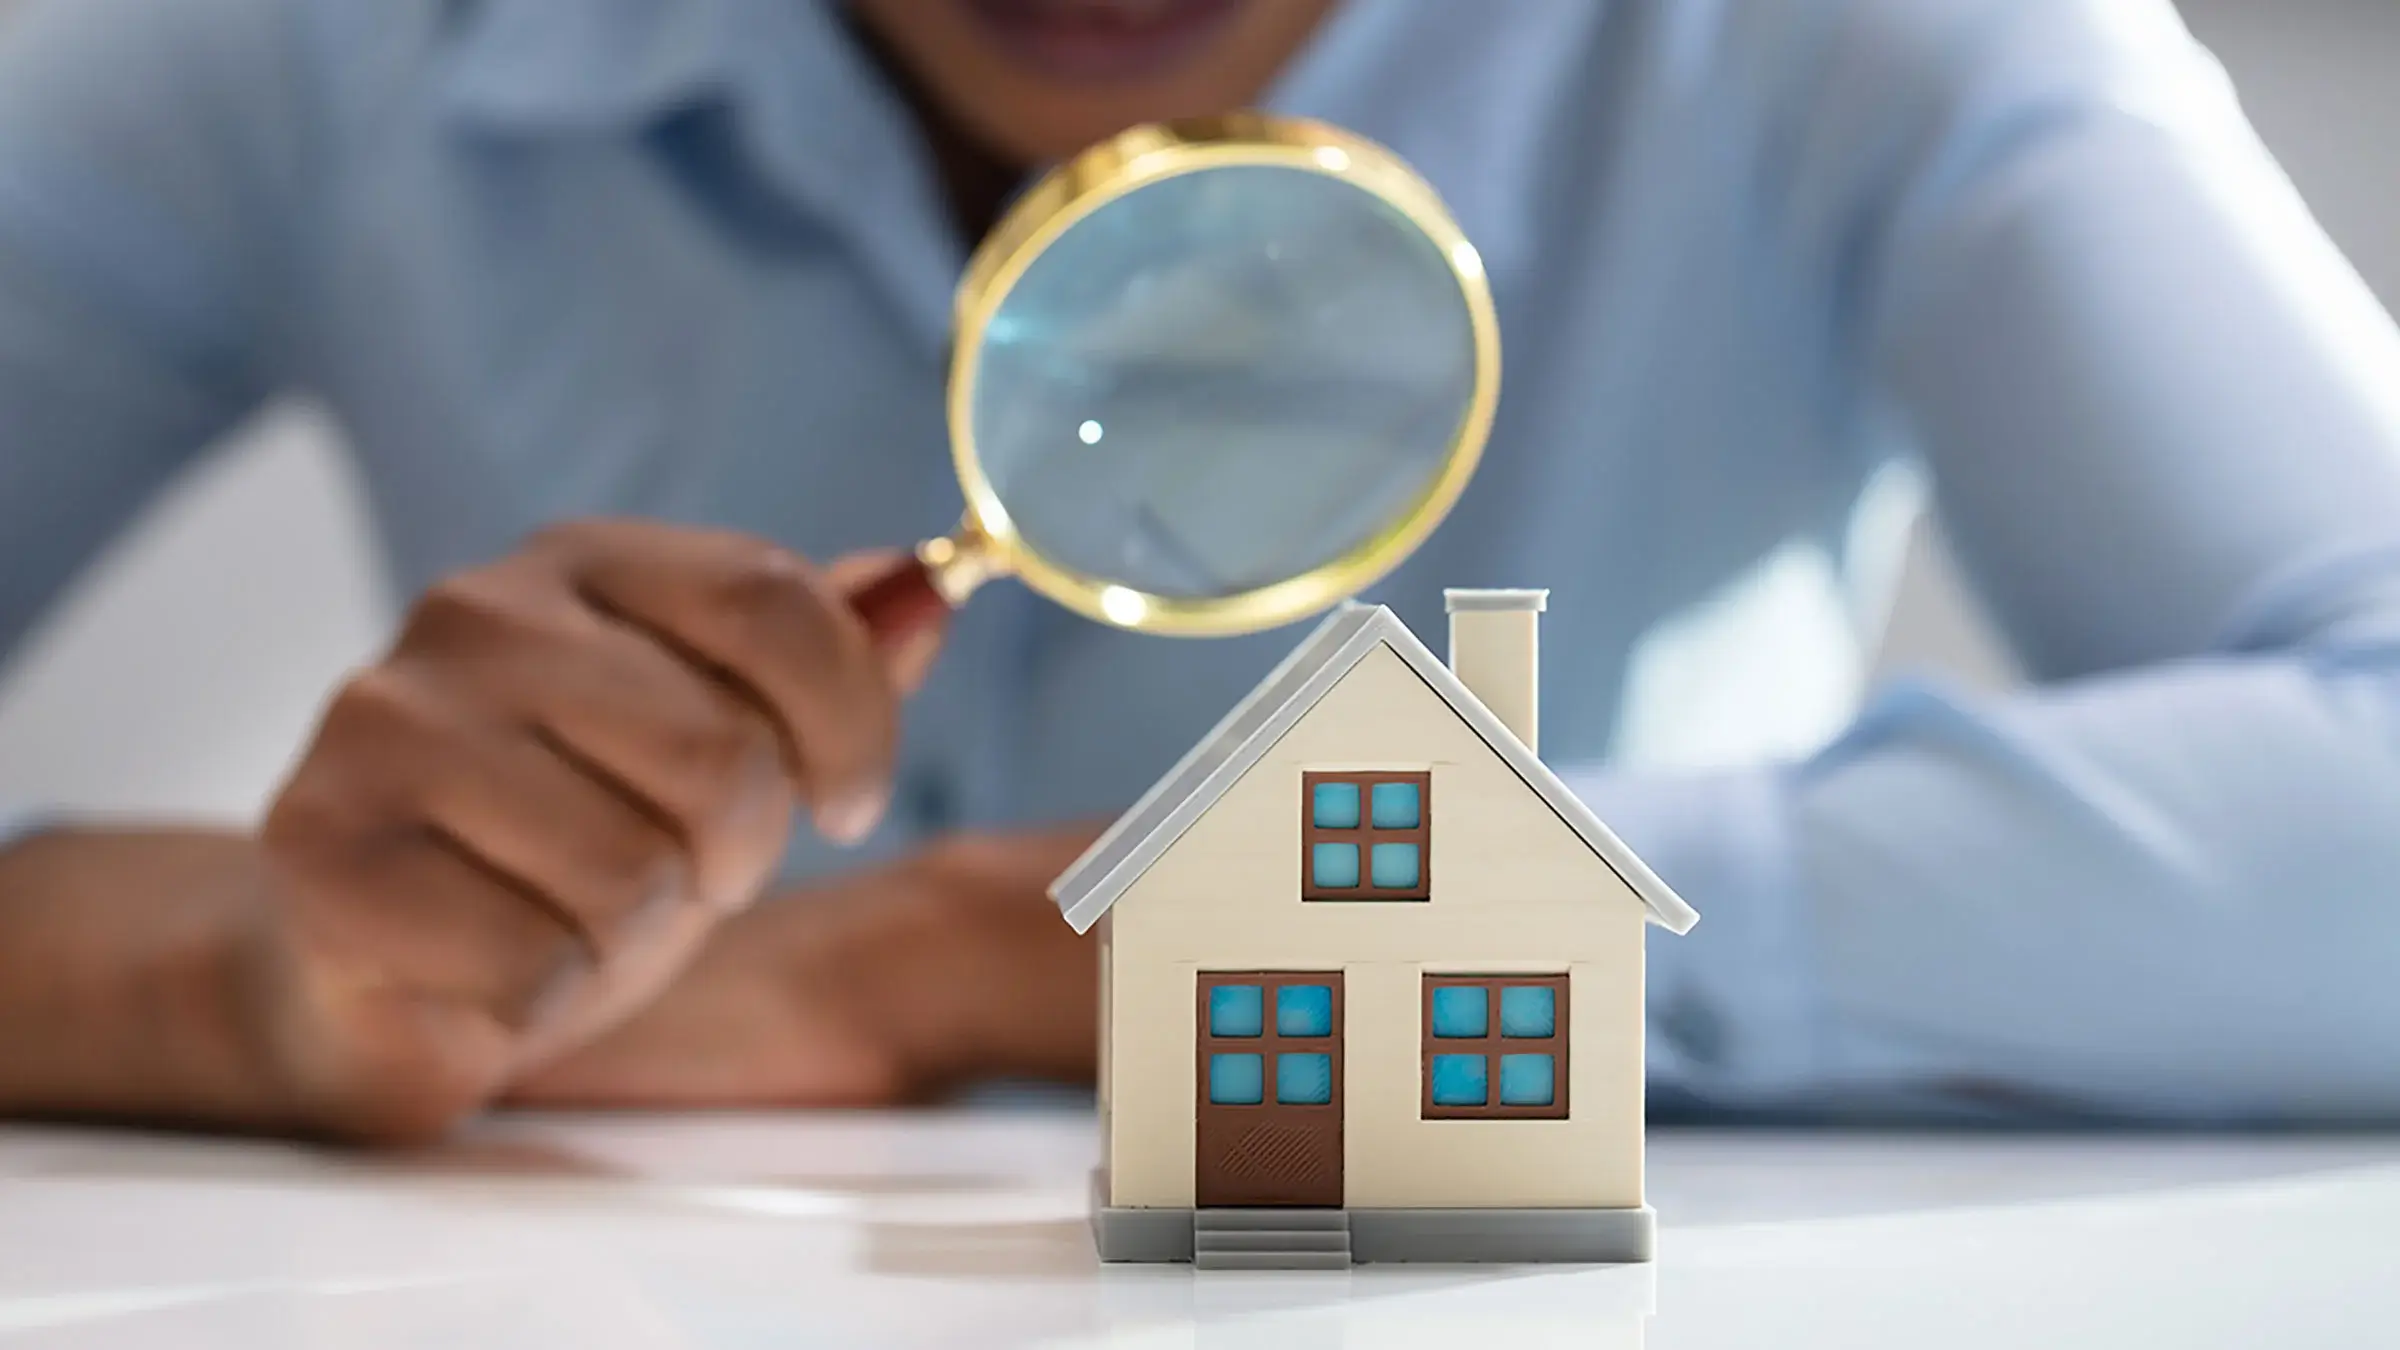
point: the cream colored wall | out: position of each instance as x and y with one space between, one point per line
1514 890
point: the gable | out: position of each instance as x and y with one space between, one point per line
1493 844
1261 722
1381 716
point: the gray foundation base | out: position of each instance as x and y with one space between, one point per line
1509 1236
1430 1236
1140 1234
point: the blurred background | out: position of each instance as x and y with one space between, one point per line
187 668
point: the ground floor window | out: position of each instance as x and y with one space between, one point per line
1495 1047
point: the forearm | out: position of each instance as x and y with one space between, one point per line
118 991
904 982
2169 895
2159 416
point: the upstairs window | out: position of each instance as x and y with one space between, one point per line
1366 836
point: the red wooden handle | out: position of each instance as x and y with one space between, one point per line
901 603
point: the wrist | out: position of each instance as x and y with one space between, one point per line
915 970
1018 988
119 989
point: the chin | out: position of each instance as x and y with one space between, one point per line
1046 128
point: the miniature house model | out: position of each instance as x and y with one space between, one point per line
1371 978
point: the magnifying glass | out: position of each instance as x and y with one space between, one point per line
1209 378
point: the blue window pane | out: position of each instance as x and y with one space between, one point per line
1528 1012
1236 1010
1525 1080
1334 866
1396 806
1395 866
1237 1080
1304 1010
1336 806
1458 1080
1460 1011
1304 1080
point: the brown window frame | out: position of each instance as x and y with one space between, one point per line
1366 836
1492 1045
1269 1042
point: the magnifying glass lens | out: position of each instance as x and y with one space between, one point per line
1223 380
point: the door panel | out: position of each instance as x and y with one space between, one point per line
1270 1089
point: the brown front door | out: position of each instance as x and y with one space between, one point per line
1270 1092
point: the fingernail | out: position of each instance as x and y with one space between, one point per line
555 993
847 820
670 890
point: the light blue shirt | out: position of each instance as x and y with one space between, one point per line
1763 265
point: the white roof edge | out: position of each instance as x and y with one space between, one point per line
1131 843
1112 864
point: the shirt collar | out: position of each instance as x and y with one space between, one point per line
536 66
812 115
1474 96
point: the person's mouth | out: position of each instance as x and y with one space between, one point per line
1101 39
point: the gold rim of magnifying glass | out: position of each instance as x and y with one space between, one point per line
987 544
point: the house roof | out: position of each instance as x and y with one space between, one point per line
1120 857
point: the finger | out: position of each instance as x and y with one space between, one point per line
763 618
702 759
513 806
401 911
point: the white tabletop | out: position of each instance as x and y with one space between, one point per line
967 1228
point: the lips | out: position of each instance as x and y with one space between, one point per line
1101 39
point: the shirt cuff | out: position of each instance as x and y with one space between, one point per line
1735 1006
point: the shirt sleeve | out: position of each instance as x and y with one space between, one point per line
145 152
2162 419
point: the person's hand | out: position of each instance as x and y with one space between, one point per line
514 830
892 985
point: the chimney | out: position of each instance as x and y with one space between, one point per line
1496 651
